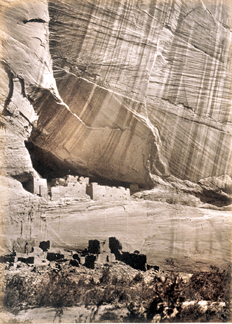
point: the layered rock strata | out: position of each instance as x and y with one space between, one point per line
150 83
25 62
144 87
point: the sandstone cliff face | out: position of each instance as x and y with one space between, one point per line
25 63
144 87
150 83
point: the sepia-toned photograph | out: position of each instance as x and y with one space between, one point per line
115 161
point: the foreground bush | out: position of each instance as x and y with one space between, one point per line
144 294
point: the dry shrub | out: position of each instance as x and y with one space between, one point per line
143 300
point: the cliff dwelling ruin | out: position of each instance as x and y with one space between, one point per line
115 159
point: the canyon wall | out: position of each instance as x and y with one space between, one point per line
118 89
25 62
149 83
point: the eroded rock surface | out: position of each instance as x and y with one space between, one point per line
149 83
140 87
25 63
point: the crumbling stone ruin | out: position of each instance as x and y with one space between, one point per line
135 260
22 245
44 245
38 186
68 187
98 192
98 252
73 186
76 187
103 250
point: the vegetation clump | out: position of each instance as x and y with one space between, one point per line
148 296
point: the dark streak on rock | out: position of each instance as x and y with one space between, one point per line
38 20
11 86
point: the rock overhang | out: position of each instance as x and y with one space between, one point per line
106 97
